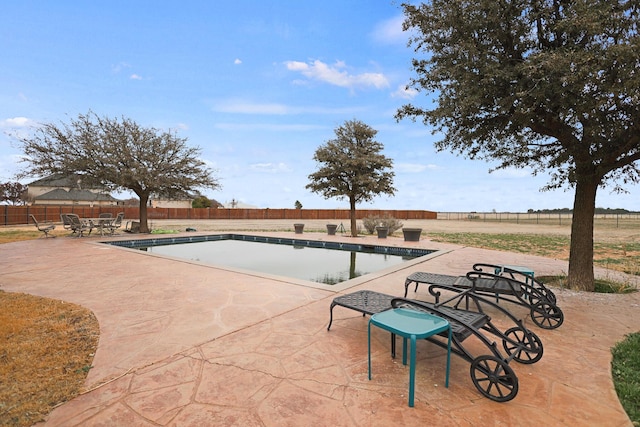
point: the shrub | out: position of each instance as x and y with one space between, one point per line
371 222
201 202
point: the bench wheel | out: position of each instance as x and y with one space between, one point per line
550 296
528 348
494 378
546 315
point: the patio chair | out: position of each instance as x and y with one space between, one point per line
45 226
510 286
115 224
66 222
78 226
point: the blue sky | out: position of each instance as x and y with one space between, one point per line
258 85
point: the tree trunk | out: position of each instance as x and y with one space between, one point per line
354 225
144 200
581 250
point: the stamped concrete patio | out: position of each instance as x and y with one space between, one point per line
185 344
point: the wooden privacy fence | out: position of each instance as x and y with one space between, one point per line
17 215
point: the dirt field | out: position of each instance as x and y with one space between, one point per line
626 233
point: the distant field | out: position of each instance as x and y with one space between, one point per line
616 238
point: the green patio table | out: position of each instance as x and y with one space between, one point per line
526 271
412 325
519 268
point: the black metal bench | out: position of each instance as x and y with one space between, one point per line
490 373
509 286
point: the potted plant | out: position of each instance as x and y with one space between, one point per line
383 231
412 234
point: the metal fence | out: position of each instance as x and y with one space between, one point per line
548 218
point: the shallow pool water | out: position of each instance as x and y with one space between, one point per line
322 262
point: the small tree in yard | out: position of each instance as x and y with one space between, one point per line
13 192
351 166
118 154
549 84
201 202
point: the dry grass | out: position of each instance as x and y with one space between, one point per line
46 350
15 234
614 255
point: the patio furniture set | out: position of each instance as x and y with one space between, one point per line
461 308
106 224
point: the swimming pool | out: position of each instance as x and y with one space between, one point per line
318 261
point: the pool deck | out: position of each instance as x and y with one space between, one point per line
185 344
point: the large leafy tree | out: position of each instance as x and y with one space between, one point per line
118 154
352 166
549 84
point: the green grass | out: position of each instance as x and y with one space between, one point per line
625 368
164 231
602 286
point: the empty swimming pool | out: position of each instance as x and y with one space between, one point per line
317 261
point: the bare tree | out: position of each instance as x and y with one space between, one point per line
351 166
120 155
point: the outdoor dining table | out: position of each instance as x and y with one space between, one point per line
98 223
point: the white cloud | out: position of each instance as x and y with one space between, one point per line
336 75
267 127
405 92
413 167
16 122
237 61
513 173
135 77
119 67
270 167
390 31
251 108
240 106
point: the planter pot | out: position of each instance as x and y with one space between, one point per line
331 229
382 232
298 228
411 234
132 227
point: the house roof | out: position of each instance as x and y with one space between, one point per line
77 195
59 180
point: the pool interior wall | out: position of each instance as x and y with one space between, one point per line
356 247
318 265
